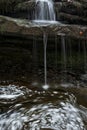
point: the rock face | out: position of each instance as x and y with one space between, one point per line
15 27
18 35
72 12
15 8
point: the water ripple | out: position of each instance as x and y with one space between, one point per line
47 110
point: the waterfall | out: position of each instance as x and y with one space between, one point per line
56 56
44 10
45 57
35 60
64 52
45 60
64 58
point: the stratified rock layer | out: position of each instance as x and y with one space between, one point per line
10 26
72 12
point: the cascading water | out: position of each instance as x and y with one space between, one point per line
35 60
45 60
25 107
44 10
56 54
45 63
64 55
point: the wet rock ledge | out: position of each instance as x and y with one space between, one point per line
72 12
26 28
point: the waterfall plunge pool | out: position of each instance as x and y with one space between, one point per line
26 65
24 103
40 110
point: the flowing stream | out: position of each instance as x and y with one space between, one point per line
33 106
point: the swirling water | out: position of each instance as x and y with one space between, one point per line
22 108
